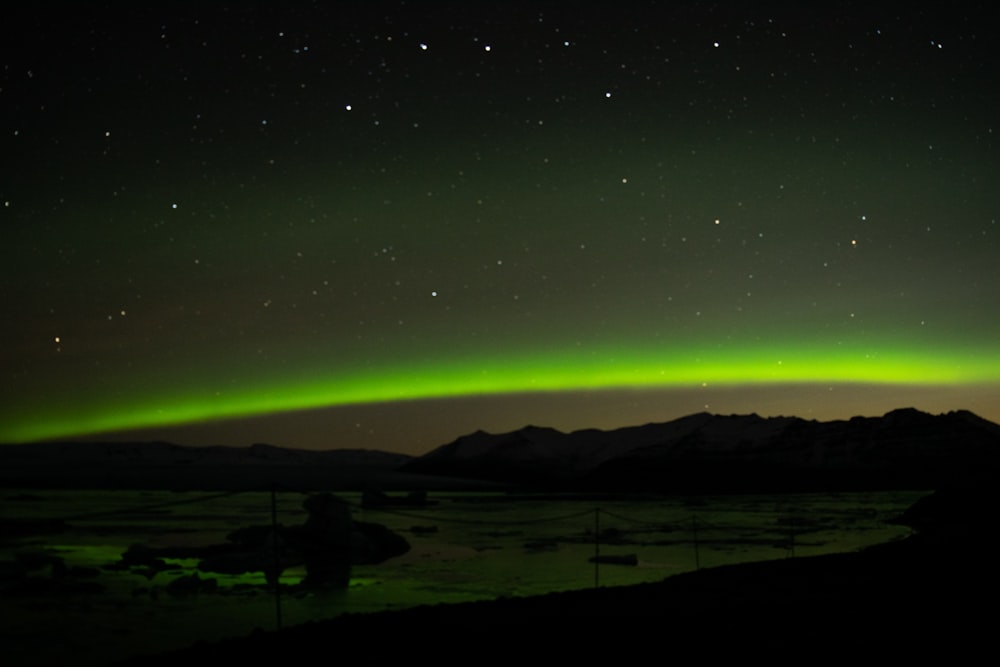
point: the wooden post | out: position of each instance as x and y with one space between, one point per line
694 537
597 547
791 537
275 545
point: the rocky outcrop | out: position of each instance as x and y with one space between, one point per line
327 544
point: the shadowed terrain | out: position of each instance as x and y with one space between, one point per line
932 590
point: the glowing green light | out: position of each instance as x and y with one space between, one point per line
542 370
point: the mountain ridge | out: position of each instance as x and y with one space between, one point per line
698 453
702 451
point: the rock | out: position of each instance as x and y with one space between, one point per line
373 543
326 542
191 584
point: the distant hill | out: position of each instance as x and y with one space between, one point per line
702 453
162 465
699 453
165 453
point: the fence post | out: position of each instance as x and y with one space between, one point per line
597 547
276 545
791 537
694 538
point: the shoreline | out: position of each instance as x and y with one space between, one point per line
916 593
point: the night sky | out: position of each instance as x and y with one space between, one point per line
388 224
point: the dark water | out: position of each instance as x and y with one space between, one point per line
463 547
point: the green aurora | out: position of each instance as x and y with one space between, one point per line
382 228
611 368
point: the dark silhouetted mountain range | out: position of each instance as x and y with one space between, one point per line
703 452
700 453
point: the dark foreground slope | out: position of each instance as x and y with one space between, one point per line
934 590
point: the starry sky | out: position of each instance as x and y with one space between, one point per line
385 225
